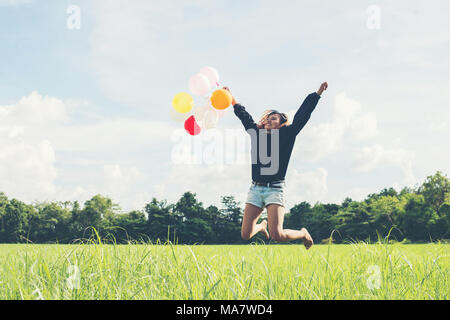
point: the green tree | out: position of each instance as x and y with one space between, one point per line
162 221
228 226
347 201
318 219
441 228
353 221
322 220
414 219
99 213
76 223
385 192
232 210
3 203
14 221
299 216
434 190
384 215
49 223
130 226
194 226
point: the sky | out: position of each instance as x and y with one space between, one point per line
86 91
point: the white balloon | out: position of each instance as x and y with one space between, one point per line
199 84
200 112
211 74
178 116
210 120
220 113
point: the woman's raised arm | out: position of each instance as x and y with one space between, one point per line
304 112
241 113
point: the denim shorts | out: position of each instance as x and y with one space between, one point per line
261 196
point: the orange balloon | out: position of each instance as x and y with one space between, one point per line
221 99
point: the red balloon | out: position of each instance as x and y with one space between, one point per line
191 126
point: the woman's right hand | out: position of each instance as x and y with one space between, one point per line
233 101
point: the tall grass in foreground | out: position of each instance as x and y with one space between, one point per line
149 271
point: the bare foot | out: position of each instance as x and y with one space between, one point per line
308 241
264 229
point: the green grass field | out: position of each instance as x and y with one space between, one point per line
140 271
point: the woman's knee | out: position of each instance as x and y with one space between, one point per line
277 237
245 233
251 215
245 236
275 215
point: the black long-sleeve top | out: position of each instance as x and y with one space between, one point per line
287 135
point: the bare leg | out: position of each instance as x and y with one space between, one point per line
249 226
275 215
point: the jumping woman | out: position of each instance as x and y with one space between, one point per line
272 133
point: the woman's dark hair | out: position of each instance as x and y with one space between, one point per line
284 120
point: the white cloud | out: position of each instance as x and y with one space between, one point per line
349 123
28 166
376 156
113 135
310 186
50 118
439 126
46 155
27 170
348 114
35 110
119 183
118 179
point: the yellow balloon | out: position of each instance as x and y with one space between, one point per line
221 99
183 102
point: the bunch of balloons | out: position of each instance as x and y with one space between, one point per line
213 103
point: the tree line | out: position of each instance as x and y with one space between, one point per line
413 214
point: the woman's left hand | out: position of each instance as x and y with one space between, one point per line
322 88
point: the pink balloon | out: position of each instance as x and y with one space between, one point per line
199 84
211 74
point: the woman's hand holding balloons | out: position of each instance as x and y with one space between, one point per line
233 101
